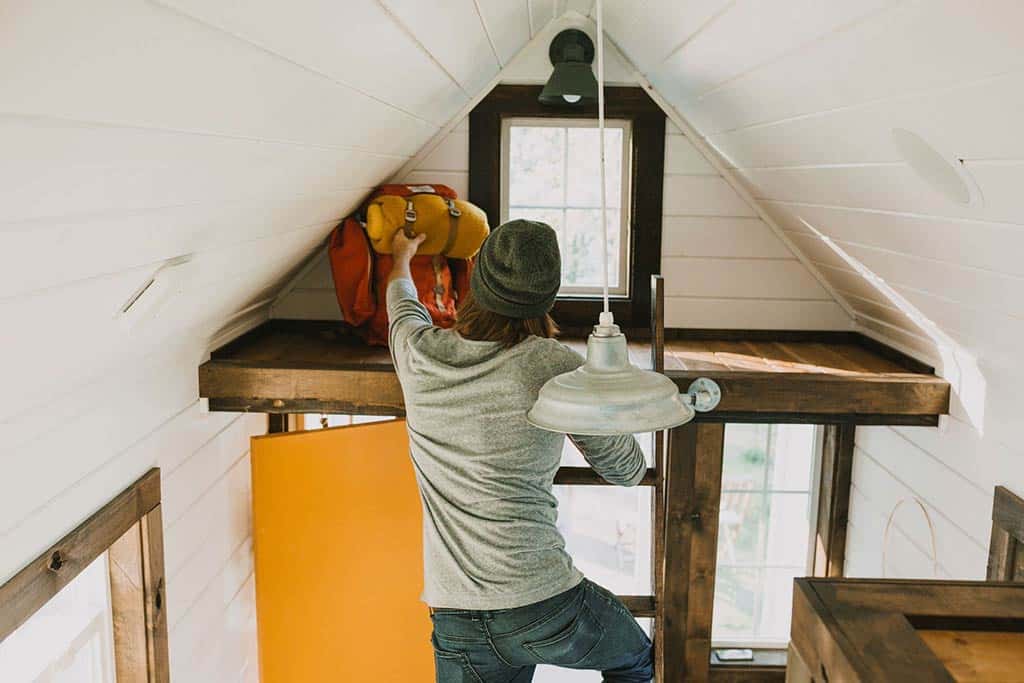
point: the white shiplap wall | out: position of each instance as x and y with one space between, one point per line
724 267
800 98
231 136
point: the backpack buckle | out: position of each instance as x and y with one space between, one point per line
453 210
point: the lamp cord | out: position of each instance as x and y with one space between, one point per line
600 127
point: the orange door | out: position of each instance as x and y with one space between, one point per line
338 544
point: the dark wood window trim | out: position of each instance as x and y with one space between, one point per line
834 499
131 528
646 184
1006 551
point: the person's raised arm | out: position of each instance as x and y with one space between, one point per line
405 312
618 459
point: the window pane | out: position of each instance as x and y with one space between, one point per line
607 531
584 184
765 522
581 250
70 638
536 172
736 594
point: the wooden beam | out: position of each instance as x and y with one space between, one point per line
136 567
46 575
155 590
1006 550
657 337
640 606
739 673
127 598
833 500
584 476
821 394
693 493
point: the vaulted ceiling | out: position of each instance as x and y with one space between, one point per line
231 136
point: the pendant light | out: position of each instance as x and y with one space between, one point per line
608 394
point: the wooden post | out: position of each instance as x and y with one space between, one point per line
834 499
658 507
693 491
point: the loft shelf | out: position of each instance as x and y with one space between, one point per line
287 366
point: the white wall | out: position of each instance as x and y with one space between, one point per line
800 97
229 135
724 267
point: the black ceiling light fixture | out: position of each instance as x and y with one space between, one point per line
572 82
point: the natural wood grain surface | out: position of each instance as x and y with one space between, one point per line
41 579
1006 550
310 366
878 630
978 656
694 483
834 500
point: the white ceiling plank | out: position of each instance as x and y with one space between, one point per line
990 246
976 121
156 68
354 42
751 33
912 48
702 195
508 24
648 35
541 12
892 188
453 33
95 169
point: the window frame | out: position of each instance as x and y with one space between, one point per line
130 529
646 185
622 289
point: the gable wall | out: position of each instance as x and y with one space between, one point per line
723 266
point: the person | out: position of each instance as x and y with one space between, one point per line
503 592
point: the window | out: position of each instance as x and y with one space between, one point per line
71 638
766 522
535 161
551 173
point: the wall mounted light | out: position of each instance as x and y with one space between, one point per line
572 81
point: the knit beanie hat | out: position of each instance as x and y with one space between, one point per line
518 271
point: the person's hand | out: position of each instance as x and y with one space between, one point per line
404 248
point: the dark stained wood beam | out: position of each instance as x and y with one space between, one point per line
1006 550
738 673
834 500
693 491
584 476
808 393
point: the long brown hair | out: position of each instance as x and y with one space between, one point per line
479 324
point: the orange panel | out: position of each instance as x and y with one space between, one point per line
336 518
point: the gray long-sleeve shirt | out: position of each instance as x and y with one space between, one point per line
484 473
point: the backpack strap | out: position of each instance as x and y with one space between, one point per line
410 219
453 226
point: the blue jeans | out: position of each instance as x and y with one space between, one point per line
585 627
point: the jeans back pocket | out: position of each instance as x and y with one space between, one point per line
571 646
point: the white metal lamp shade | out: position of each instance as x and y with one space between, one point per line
609 395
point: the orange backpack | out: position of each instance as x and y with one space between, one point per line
361 275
